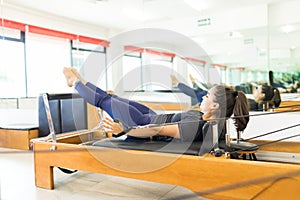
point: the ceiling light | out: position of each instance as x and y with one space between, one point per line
287 28
101 1
197 4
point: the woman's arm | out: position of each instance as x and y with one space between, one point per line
142 131
148 131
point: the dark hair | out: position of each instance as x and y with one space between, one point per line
272 95
235 103
241 110
276 100
268 91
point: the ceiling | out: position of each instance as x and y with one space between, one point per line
237 26
123 14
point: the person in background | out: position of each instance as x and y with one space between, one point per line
265 96
199 85
195 93
277 83
295 87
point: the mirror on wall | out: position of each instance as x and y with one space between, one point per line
285 55
244 58
264 41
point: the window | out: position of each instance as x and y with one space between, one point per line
132 79
12 70
156 72
33 64
197 71
46 57
90 61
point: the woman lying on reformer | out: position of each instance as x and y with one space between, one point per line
220 102
264 97
196 93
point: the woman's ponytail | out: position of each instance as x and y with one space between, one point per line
241 111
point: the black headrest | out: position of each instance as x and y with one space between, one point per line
68 112
53 96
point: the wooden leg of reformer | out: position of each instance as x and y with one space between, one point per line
43 172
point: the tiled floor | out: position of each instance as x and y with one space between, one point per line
17 182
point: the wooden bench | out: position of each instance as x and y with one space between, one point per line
17 128
18 136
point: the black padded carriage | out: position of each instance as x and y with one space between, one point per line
151 145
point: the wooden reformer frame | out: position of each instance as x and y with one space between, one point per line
208 176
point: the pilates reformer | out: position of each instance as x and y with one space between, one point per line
147 143
210 174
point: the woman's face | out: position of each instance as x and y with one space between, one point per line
258 95
208 104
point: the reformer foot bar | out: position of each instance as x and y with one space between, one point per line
207 175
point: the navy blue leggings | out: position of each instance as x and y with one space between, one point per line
195 94
130 113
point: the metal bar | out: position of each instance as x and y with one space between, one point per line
49 118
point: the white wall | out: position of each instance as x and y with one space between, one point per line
47 20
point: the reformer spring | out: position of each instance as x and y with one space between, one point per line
266 143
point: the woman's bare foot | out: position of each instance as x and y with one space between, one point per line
70 76
79 77
192 79
175 81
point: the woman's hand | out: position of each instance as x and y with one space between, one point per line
111 126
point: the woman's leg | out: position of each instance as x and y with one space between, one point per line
142 108
128 112
115 107
188 91
196 95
